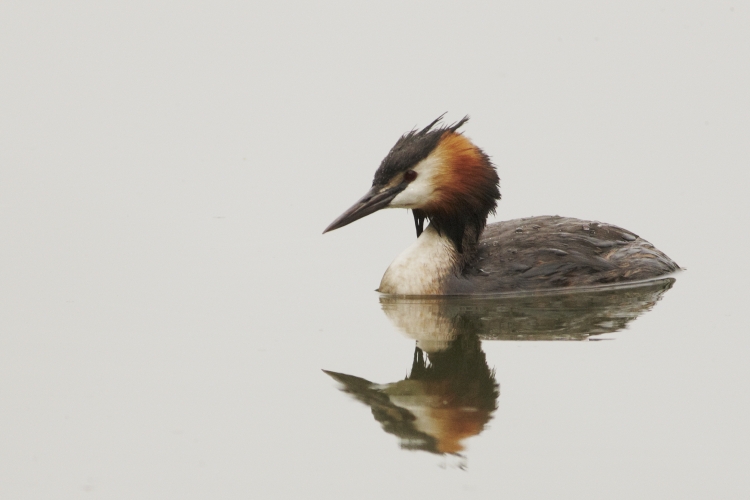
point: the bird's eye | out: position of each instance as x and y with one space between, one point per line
410 175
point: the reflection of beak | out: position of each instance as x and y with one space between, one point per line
375 199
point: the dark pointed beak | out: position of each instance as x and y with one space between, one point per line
375 199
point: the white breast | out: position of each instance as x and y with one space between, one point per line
423 268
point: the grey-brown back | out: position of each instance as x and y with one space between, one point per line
556 252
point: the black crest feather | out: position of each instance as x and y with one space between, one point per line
413 147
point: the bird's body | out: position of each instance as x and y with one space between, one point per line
444 178
534 253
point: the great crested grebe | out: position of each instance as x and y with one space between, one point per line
446 179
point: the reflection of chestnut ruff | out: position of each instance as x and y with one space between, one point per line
439 404
462 371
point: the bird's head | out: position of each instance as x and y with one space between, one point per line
439 174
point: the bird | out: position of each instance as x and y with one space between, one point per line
451 183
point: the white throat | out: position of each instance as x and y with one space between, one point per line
425 268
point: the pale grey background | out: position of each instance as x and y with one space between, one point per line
167 300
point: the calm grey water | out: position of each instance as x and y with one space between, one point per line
168 305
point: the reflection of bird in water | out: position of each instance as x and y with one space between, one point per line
446 179
452 397
439 404
528 316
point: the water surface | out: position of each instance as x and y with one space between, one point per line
168 305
